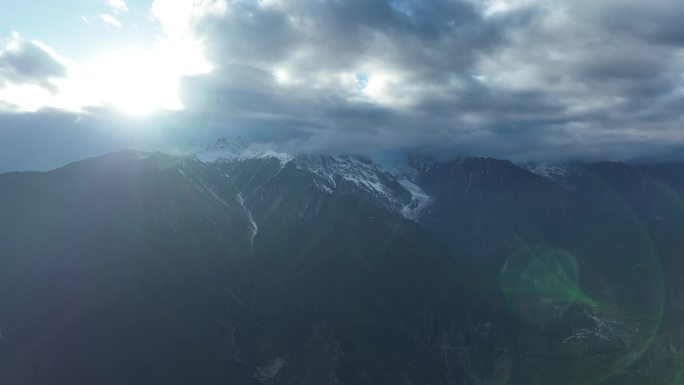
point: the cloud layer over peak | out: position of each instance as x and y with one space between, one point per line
517 79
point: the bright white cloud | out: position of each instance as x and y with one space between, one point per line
384 87
270 3
133 81
28 97
493 7
178 17
117 5
110 20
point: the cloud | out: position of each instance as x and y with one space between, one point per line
134 80
178 18
518 79
117 6
110 20
507 78
25 62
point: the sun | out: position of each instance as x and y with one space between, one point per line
135 82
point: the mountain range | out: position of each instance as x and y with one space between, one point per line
233 266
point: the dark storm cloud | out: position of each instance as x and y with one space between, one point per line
657 22
518 79
26 62
554 79
428 39
323 48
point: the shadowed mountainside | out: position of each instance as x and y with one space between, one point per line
148 268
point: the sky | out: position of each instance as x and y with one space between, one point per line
547 80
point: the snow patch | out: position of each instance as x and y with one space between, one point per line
360 172
546 170
419 200
268 373
250 218
236 150
280 156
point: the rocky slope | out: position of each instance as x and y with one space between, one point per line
235 266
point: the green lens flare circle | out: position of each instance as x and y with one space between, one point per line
582 324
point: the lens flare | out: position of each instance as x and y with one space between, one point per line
543 284
591 308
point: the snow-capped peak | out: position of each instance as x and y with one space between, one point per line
222 149
546 170
338 175
419 200
351 168
268 154
231 150
362 177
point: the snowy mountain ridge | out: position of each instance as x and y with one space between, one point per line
224 150
336 175
398 189
545 169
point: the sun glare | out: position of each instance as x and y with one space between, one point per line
138 82
134 81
